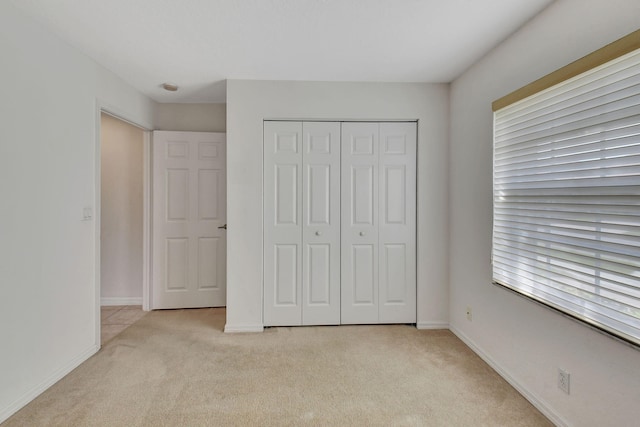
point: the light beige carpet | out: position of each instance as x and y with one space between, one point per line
177 368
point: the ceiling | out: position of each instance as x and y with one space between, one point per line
198 44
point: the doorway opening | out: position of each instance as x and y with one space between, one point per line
121 214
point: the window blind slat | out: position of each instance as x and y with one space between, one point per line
566 166
572 109
564 158
576 201
626 222
574 101
620 180
582 304
571 230
594 120
619 283
576 261
595 294
606 135
588 246
623 318
602 76
569 265
628 81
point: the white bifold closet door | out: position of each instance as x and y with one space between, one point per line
378 280
302 223
339 223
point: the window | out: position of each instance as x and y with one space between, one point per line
567 196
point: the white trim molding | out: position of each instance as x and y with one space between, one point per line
109 301
235 329
540 404
146 222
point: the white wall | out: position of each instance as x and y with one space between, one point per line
250 102
525 341
121 212
191 117
48 122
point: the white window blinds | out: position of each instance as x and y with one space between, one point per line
567 197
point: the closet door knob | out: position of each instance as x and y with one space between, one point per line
361 233
318 233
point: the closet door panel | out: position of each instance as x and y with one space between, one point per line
282 223
397 228
359 217
363 266
321 223
285 274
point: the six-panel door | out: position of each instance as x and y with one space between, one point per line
189 204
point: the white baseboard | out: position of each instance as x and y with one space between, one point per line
235 329
120 301
232 329
432 325
540 404
36 391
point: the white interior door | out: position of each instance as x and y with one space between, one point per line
321 223
282 223
359 278
189 206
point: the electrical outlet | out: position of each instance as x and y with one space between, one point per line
469 314
564 379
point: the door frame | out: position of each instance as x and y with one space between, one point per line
106 108
416 178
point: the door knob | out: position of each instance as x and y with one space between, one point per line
361 233
224 227
318 233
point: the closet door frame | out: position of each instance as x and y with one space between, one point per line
376 237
